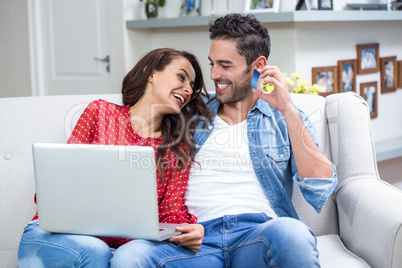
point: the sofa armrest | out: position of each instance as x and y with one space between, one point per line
370 220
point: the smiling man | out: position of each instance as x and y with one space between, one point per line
248 159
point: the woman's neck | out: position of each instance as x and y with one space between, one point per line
144 121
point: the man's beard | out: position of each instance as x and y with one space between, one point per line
238 92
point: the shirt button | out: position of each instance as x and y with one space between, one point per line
7 156
281 156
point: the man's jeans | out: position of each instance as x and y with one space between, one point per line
246 240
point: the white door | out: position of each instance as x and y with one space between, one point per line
72 46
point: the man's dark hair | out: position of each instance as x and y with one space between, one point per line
250 36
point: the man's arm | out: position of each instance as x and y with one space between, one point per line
310 161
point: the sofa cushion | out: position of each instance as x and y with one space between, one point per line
333 254
8 258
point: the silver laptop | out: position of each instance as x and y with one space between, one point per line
98 190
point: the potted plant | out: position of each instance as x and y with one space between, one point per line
151 7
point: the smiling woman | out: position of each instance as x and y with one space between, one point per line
162 95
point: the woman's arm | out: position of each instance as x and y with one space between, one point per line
173 209
85 128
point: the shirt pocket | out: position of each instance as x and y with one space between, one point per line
278 157
278 154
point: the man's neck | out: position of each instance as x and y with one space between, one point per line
235 113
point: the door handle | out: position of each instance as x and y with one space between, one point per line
107 60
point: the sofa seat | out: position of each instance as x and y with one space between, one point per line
333 254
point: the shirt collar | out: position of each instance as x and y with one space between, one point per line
263 107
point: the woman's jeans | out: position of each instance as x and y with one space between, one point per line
245 240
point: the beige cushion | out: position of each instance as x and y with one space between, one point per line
333 254
8 259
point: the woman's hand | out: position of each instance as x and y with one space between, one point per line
191 236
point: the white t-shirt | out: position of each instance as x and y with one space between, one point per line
226 183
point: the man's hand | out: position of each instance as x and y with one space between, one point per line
191 236
278 99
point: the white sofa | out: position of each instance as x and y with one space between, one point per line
360 226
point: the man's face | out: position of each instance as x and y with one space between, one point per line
229 72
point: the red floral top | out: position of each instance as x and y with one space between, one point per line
109 124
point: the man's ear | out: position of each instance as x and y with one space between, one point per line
260 62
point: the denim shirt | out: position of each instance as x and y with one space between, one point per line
273 160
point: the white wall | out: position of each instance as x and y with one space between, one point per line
15 76
324 43
295 47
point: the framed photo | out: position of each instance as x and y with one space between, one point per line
388 74
259 6
368 60
347 75
399 78
313 4
327 77
190 8
325 5
370 93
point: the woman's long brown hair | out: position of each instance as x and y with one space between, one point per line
177 129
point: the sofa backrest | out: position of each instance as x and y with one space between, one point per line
23 121
345 136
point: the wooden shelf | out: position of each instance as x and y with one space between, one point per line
282 17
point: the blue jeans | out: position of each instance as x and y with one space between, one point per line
43 249
246 240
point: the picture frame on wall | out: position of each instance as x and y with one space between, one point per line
325 5
327 77
313 4
190 8
399 74
261 6
347 75
368 60
369 92
388 74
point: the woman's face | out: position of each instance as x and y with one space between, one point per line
171 88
